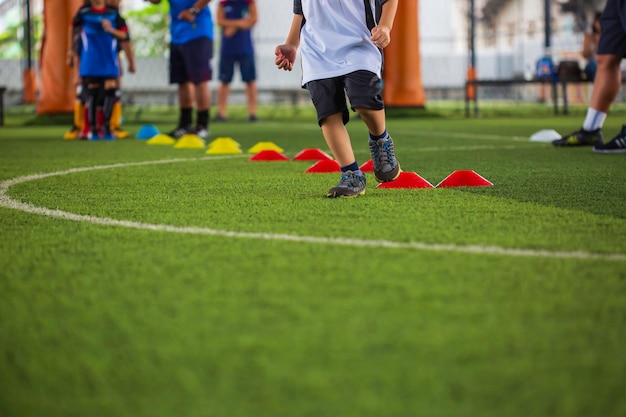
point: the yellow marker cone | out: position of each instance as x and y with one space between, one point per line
161 139
223 148
221 141
265 146
189 141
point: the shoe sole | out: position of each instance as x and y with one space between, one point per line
335 195
572 145
393 179
609 151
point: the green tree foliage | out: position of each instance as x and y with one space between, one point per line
13 42
149 30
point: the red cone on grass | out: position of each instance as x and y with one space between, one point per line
464 178
406 180
312 154
269 155
324 166
367 167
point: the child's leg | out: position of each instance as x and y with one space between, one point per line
251 97
248 75
352 182
116 115
374 120
222 100
202 93
332 114
384 161
338 139
226 73
93 97
84 99
109 101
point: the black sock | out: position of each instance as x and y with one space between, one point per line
382 135
109 101
202 116
352 167
92 103
185 117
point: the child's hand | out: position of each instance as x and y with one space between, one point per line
187 16
381 36
106 25
230 31
131 68
285 57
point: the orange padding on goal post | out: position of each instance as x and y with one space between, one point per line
402 76
57 86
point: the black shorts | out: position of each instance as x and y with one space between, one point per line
96 80
363 88
613 24
191 61
247 68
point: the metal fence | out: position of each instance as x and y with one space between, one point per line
507 49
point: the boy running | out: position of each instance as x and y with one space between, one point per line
341 44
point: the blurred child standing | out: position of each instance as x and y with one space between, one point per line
237 17
100 29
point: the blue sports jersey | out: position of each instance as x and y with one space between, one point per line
241 42
182 31
98 54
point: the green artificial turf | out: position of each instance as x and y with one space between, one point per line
266 299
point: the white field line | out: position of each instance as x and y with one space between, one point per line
8 202
458 135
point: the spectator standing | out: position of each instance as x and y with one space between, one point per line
606 86
100 28
191 51
80 128
236 18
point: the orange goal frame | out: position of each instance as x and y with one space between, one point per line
402 77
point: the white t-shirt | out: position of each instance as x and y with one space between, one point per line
335 39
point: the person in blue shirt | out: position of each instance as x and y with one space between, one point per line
100 30
237 17
191 51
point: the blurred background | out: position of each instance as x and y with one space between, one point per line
500 39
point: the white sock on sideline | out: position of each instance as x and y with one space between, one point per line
594 119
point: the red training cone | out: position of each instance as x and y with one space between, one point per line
367 167
406 180
465 178
268 155
311 154
324 166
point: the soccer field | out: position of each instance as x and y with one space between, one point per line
149 281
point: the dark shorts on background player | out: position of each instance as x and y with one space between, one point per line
246 66
363 88
613 24
191 61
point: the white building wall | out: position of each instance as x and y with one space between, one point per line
509 51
